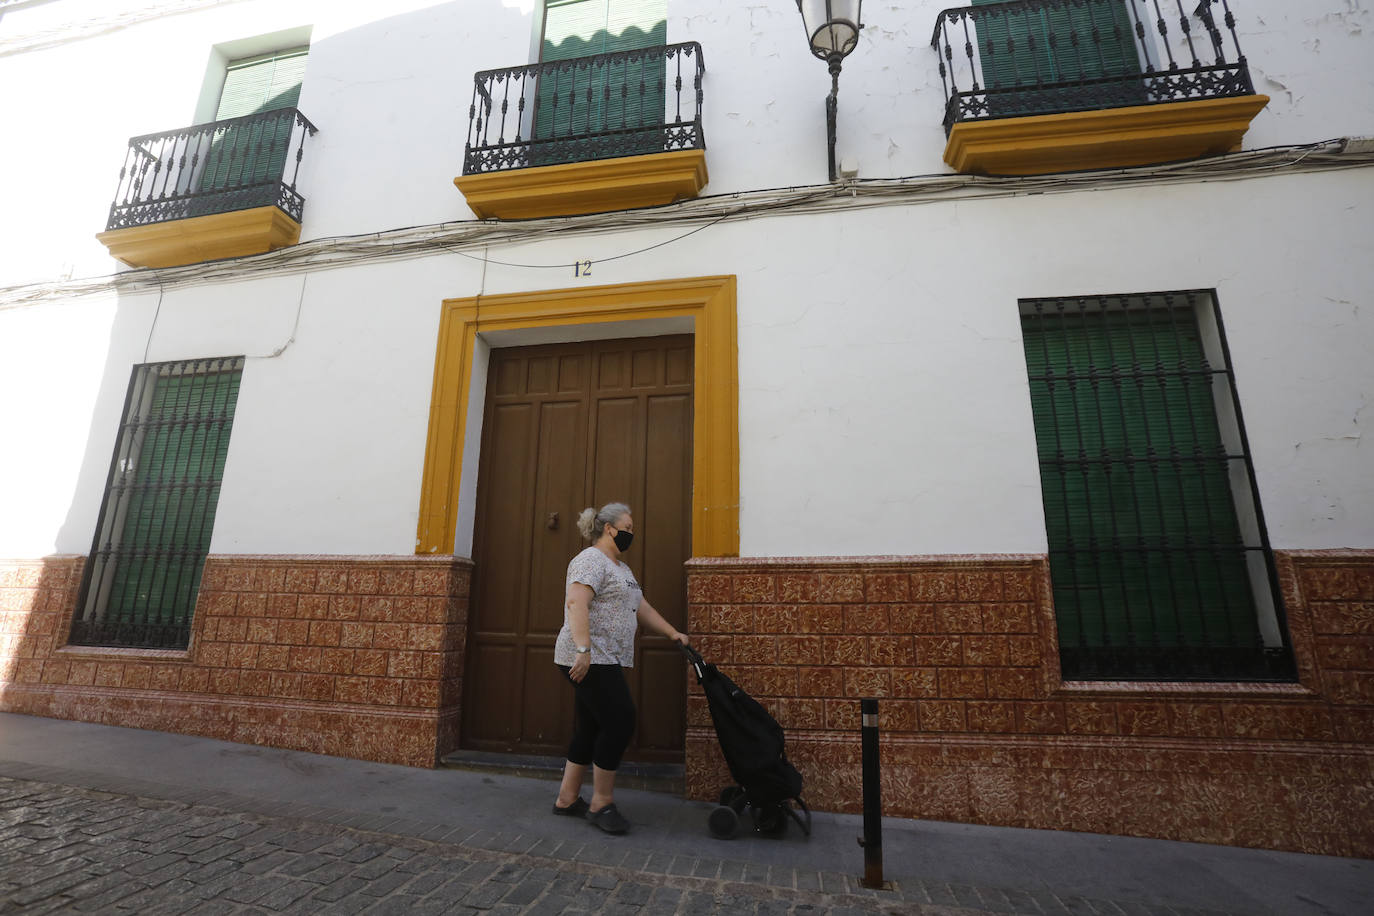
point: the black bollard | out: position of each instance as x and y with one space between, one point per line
872 840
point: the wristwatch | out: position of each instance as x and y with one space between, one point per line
582 650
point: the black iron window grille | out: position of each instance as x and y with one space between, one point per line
224 166
626 103
1160 562
153 534
1033 57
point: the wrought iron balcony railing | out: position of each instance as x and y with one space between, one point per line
625 103
224 166
1035 57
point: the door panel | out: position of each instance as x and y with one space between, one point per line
493 666
667 494
667 468
616 462
544 722
570 426
561 470
504 586
658 669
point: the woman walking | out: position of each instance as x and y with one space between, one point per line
602 608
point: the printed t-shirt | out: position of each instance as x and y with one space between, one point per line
611 612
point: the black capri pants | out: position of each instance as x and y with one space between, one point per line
603 719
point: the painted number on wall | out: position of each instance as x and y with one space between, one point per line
582 268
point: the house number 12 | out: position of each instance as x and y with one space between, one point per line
582 268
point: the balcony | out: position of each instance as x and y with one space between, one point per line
1040 86
219 190
586 135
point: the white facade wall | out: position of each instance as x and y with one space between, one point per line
390 94
883 399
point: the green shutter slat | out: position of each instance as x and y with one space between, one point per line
631 26
264 83
589 101
573 28
286 80
245 88
168 522
1108 516
256 152
1112 54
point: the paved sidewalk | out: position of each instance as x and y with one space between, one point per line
102 819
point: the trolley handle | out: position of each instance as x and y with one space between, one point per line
695 660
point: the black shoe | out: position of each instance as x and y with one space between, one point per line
576 809
609 820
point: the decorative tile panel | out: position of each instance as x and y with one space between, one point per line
979 726
353 656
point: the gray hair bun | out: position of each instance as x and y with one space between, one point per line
586 522
590 522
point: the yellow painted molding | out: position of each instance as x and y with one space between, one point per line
586 187
203 238
709 301
1110 138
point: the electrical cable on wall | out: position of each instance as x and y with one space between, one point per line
152 325
300 304
564 265
423 241
481 289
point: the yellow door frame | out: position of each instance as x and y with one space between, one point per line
709 301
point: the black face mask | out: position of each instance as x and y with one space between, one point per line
623 540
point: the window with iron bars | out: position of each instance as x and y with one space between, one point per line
1160 563
153 534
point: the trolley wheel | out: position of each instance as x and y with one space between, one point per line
769 819
723 822
731 796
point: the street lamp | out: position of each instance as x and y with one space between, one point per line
832 29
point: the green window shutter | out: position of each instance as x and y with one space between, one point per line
253 153
1033 62
159 512
595 100
637 87
265 83
1145 549
574 28
567 104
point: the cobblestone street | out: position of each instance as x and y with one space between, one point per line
101 819
69 849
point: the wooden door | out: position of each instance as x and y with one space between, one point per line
569 426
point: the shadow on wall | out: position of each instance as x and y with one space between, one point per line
358 656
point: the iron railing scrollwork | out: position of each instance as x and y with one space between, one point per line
603 106
220 167
1033 57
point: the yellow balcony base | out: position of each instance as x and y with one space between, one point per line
1111 138
202 238
586 187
